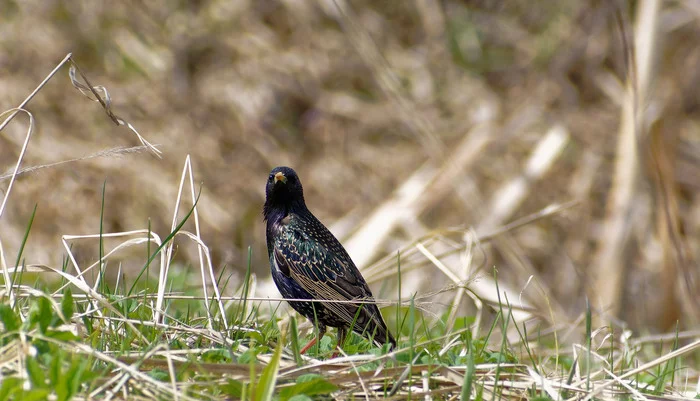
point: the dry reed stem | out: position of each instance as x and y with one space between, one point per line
25 145
202 250
609 265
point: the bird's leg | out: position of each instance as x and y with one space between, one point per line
310 344
321 332
342 332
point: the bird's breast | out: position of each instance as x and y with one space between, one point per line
277 228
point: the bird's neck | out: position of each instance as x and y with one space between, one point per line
275 213
277 218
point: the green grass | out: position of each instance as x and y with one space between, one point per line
67 346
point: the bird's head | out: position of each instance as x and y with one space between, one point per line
283 191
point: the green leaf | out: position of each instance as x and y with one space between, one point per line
314 386
9 386
468 378
61 335
26 237
54 370
301 397
8 318
159 374
35 373
247 356
217 355
295 341
463 322
233 388
309 377
37 394
40 313
75 379
255 336
268 379
67 305
61 388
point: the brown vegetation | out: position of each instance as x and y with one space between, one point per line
360 98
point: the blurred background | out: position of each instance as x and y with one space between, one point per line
405 120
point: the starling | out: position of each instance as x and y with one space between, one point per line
308 262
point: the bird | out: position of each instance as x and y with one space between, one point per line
308 262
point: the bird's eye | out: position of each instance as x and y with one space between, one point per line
271 177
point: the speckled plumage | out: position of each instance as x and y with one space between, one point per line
308 262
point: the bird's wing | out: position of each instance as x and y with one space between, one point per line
322 267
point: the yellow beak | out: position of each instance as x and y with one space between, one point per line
280 177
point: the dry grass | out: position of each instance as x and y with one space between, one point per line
424 131
438 105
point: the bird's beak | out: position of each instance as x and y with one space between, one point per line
280 177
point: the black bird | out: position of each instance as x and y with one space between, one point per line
308 262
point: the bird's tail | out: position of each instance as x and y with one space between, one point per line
382 335
388 338
378 331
